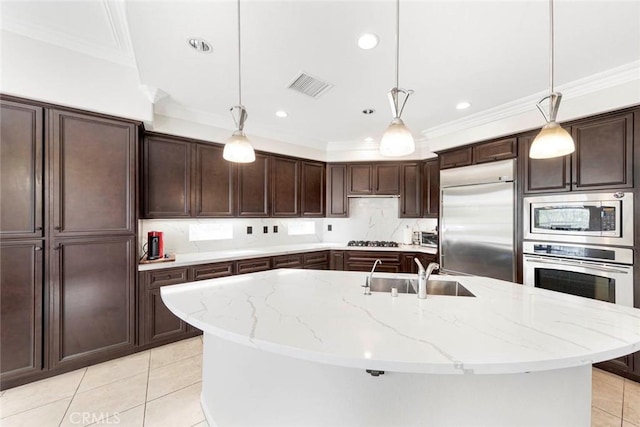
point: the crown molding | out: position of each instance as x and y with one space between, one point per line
577 88
119 52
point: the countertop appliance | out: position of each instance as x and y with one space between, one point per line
477 220
600 272
593 218
155 248
429 239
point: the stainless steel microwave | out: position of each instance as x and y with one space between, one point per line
601 218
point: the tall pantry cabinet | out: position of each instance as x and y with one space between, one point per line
67 254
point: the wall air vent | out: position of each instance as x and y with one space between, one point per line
309 85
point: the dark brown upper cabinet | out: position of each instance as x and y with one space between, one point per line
603 158
604 153
21 157
431 189
253 188
373 179
215 180
93 174
337 203
166 182
285 187
410 190
21 311
495 150
456 158
312 185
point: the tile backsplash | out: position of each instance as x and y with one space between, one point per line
369 219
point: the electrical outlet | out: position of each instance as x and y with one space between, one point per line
275 228
265 229
329 227
249 229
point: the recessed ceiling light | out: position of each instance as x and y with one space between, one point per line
368 139
368 111
463 105
281 113
367 41
200 45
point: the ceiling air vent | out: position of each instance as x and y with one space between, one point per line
309 85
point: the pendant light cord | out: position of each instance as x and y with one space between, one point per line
239 60
551 52
397 42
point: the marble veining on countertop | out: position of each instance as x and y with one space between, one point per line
324 317
265 251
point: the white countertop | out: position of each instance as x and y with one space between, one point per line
324 316
265 251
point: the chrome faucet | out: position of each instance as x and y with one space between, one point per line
423 277
367 284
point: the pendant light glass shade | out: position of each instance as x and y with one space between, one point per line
238 149
397 140
552 141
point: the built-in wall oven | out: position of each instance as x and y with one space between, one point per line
598 272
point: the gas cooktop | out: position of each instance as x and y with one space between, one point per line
373 243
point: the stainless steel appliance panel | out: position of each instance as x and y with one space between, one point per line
477 220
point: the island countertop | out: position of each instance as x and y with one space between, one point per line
324 317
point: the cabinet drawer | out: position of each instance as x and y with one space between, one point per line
370 257
253 265
316 258
319 266
211 271
385 268
287 261
167 277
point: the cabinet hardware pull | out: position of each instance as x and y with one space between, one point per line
57 247
38 228
37 248
57 227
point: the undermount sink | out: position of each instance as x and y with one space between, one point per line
406 286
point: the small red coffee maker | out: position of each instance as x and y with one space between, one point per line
155 243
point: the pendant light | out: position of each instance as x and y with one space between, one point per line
238 149
553 140
397 140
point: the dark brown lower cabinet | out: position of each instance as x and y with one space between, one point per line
336 261
287 261
92 300
21 311
156 323
253 265
410 266
363 261
316 260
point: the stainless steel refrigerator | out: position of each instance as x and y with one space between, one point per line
477 219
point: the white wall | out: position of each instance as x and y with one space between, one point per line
370 219
45 72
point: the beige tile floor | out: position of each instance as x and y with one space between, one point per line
161 387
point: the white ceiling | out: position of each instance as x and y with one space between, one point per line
489 53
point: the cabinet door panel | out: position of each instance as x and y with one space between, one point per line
387 178
312 189
215 183
285 187
431 189
166 178
337 260
253 188
21 170
287 261
21 286
360 179
211 271
544 175
93 175
495 150
253 265
338 205
410 191
162 323
92 299
456 158
604 153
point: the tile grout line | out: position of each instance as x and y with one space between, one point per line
146 391
73 397
175 391
33 409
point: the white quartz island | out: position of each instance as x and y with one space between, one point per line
291 348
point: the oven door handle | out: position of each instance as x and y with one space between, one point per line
577 263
